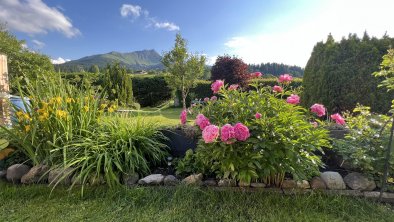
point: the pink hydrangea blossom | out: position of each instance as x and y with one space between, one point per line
241 132
319 109
217 85
227 134
277 89
338 119
256 74
206 99
285 78
210 133
257 115
183 117
214 98
233 87
202 121
293 99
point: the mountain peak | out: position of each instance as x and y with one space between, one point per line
137 60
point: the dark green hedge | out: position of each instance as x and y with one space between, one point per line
339 74
151 90
202 90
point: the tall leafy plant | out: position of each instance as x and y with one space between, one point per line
184 68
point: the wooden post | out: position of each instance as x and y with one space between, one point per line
4 92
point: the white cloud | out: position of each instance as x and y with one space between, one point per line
59 60
135 11
291 39
35 17
166 25
38 44
131 10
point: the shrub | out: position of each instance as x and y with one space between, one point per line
117 146
282 140
230 69
338 74
151 91
364 147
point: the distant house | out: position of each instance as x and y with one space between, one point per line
141 72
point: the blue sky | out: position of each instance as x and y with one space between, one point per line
255 30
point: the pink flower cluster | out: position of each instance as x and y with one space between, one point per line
210 133
229 134
256 75
183 117
233 87
202 121
217 85
293 99
277 89
257 115
285 78
338 119
319 109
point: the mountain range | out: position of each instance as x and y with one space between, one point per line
137 60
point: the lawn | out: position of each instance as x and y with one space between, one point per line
33 203
164 117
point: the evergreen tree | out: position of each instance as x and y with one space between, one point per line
118 84
338 74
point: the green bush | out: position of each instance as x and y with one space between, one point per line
297 82
281 141
151 90
338 74
364 147
117 146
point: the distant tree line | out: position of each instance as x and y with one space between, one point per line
276 69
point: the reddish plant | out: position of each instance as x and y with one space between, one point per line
230 69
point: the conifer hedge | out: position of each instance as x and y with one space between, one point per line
339 74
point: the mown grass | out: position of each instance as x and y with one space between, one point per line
163 117
33 203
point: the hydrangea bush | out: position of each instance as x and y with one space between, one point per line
260 134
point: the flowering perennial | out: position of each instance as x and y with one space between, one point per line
319 109
217 85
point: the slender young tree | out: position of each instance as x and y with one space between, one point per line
184 68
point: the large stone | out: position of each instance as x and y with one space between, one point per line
317 183
37 174
130 179
388 197
194 179
171 180
96 180
60 176
3 174
303 184
16 172
289 184
243 184
210 183
333 180
257 185
227 183
357 181
153 179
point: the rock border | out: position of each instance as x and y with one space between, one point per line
328 183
